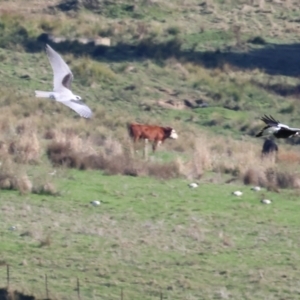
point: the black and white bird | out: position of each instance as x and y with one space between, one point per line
62 79
277 129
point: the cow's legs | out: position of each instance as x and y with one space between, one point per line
146 149
132 148
155 145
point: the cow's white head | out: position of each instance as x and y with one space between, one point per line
173 134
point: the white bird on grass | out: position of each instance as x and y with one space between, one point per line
256 188
95 203
237 193
62 79
266 201
193 185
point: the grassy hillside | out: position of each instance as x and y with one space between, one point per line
213 67
209 69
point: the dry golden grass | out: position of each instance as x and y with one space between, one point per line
289 157
23 184
94 145
243 160
45 188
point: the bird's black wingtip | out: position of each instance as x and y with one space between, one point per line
268 119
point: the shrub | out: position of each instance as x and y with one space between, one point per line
93 162
6 181
174 30
60 153
23 184
286 180
164 170
25 148
255 176
112 162
257 40
69 5
47 188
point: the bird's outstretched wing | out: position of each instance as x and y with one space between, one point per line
269 120
62 75
261 133
81 108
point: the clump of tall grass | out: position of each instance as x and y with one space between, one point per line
46 188
242 160
7 181
111 163
20 142
164 170
104 154
13 178
23 184
271 177
255 176
25 148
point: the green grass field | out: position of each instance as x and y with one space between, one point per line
152 237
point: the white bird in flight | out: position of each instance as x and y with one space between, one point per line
62 80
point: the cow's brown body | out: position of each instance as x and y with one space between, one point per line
153 133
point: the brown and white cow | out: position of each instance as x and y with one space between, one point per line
153 133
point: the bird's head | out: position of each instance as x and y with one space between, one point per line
77 98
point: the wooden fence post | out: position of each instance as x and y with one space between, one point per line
7 275
46 286
78 288
122 294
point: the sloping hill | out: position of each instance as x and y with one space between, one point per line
209 69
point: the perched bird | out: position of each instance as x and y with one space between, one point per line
266 201
62 80
193 185
277 129
237 193
95 203
256 188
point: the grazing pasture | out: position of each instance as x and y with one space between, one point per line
150 236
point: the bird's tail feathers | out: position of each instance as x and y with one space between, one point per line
41 94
